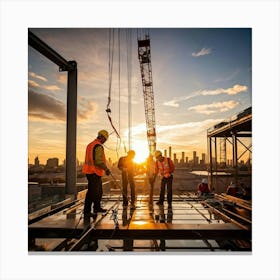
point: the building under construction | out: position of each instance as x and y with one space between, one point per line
216 222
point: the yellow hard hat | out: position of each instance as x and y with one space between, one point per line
103 133
131 153
157 154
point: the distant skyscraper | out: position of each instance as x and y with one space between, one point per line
36 162
52 162
203 158
195 158
170 154
183 157
187 160
165 153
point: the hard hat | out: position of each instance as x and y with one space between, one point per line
204 181
131 153
157 154
103 133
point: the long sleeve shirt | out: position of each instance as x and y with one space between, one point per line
98 157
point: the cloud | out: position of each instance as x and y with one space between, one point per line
34 84
229 91
202 52
227 78
86 109
172 103
175 102
62 78
34 75
45 107
208 109
175 131
42 107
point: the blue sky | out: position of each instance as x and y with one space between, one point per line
201 76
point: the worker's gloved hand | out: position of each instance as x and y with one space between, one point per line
108 172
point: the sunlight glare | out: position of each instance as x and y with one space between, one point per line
141 152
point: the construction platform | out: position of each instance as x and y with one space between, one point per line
217 223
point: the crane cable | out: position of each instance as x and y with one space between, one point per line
111 60
129 71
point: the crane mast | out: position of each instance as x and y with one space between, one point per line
144 56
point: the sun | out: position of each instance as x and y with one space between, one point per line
141 152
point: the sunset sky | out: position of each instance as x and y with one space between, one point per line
178 73
200 77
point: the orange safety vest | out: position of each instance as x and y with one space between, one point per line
164 168
89 167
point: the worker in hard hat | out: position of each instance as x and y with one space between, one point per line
164 167
203 187
231 189
95 167
126 165
151 176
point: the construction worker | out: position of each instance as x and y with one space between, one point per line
95 167
203 188
164 167
126 165
151 176
231 189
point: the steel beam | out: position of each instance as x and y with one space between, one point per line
48 52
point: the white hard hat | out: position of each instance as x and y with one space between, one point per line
204 181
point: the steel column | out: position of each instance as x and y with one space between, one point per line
71 131
235 158
211 162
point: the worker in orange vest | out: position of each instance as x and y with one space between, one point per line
164 167
95 167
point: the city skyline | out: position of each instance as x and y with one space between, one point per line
200 77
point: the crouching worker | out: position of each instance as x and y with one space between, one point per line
95 167
203 188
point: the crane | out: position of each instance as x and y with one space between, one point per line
144 56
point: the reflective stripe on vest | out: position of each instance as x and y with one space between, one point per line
89 167
164 168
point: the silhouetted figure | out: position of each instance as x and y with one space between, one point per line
126 165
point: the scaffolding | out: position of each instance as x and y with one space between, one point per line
219 223
230 131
